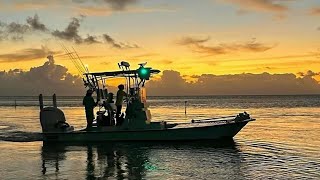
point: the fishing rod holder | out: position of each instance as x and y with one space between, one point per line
54 101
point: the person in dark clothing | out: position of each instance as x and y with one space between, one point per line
120 95
89 105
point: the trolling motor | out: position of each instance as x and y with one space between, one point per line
52 119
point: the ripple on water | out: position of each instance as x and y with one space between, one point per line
19 136
276 161
4 127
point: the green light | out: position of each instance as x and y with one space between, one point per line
143 71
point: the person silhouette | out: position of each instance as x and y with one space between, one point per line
89 105
120 95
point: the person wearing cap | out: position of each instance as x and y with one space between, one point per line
89 105
120 95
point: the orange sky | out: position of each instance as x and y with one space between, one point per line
194 37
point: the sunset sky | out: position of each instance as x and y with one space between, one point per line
219 37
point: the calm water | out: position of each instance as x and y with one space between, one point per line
282 144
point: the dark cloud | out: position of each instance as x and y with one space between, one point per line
70 32
120 4
113 4
52 78
111 41
47 79
119 45
36 24
172 83
199 45
13 31
16 31
91 39
17 28
27 54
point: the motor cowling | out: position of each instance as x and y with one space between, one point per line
52 119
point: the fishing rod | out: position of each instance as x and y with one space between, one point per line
88 80
80 68
73 61
86 69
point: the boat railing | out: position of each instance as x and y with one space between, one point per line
209 119
221 120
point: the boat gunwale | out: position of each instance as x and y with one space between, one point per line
146 130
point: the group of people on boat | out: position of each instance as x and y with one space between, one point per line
90 104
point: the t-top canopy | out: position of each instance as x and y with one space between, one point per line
120 73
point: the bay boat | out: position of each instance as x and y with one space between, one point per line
135 124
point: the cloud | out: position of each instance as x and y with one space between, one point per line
93 11
192 40
120 5
111 41
172 83
26 5
51 78
113 4
166 61
17 28
36 24
273 6
108 39
13 31
276 57
89 7
198 45
27 55
16 31
70 32
47 79
309 73
91 39
81 5
315 11
145 55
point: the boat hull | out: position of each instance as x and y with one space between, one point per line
201 132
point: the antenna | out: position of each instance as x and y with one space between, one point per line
142 64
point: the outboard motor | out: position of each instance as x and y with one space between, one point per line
52 119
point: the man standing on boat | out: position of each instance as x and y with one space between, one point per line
120 95
89 105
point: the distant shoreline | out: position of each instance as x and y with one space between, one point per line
179 95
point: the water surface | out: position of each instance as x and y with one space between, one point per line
283 143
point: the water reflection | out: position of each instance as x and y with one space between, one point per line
52 155
102 160
143 160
